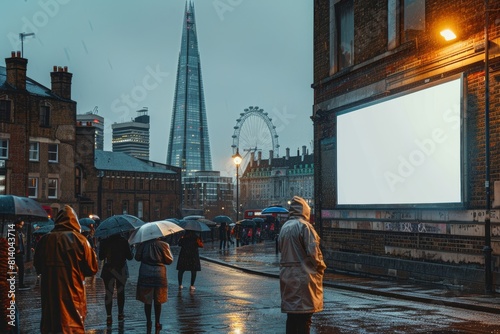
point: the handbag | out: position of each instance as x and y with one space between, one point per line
200 242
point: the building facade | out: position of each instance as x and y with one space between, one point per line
37 135
208 193
274 181
189 144
406 138
132 137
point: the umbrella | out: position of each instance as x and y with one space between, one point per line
194 225
193 217
274 209
44 229
117 224
49 227
86 221
12 207
222 219
246 223
154 230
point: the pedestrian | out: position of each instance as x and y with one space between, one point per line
229 231
237 234
189 257
63 258
152 282
301 269
114 251
222 235
20 249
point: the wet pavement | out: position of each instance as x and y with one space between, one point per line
258 259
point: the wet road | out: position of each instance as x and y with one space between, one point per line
230 301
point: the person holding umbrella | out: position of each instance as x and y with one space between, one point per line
114 251
152 287
189 257
20 247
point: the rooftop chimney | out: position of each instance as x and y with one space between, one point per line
61 82
271 155
252 158
16 70
259 157
287 156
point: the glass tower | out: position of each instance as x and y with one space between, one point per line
189 146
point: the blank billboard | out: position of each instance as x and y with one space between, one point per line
405 150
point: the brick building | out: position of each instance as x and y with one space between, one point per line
47 155
37 135
274 181
406 133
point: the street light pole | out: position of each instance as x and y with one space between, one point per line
487 222
237 161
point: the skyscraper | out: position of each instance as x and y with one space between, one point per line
132 137
189 146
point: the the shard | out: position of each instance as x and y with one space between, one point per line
189 145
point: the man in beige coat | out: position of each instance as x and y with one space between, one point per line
301 269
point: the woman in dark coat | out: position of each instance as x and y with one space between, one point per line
189 257
152 282
115 251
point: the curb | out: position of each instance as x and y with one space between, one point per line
349 287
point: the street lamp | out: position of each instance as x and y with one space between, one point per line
237 161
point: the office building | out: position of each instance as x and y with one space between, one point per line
189 145
132 137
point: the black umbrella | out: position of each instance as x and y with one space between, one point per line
117 224
13 207
194 225
246 223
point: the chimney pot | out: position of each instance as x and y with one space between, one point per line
65 68
54 69
18 54
13 54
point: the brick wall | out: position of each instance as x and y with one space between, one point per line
407 66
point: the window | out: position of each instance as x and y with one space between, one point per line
109 207
125 207
2 185
4 149
53 153
52 188
140 209
78 181
33 187
406 21
44 116
34 151
5 111
341 34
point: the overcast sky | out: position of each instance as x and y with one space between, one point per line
253 53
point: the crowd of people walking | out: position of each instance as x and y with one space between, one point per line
64 257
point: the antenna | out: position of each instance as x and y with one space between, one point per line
22 36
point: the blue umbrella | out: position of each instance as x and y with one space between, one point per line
274 209
222 219
86 221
